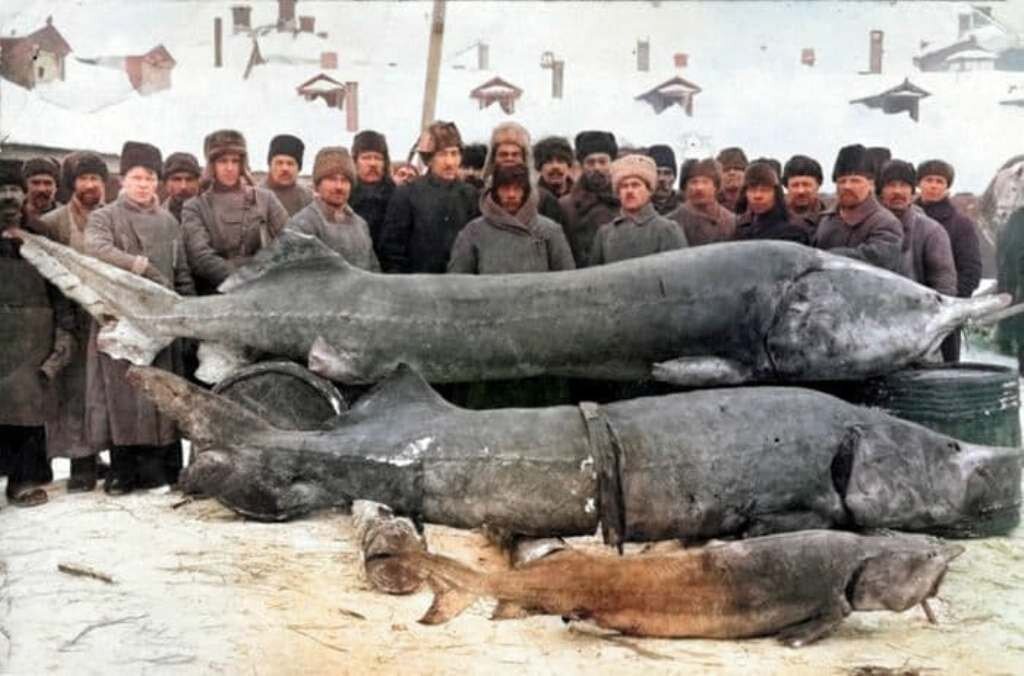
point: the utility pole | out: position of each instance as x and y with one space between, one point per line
433 63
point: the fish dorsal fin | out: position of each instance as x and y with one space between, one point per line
403 387
288 249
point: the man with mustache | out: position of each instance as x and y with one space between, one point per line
374 186
284 162
181 181
802 178
927 256
511 147
591 202
858 226
733 162
702 218
665 198
553 159
41 177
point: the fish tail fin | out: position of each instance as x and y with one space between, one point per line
106 291
455 585
959 311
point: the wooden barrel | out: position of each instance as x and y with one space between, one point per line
284 394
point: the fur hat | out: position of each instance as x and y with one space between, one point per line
552 148
801 165
708 167
333 160
474 156
664 157
41 164
508 132
84 162
225 141
853 159
438 136
516 174
177 163
590 142
760 172
936 168
770 161
369 141
11 173
640 166
897 170
286 144
733 158
137 154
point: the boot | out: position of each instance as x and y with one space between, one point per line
83 475
121 477
149 468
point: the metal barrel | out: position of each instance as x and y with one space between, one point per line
284 394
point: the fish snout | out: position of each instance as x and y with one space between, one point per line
992 493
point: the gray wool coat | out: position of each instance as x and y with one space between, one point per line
869 233
705 228
630 236
927 254
342 230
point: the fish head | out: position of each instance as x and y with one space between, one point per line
899 572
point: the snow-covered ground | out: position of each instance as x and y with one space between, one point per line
744 55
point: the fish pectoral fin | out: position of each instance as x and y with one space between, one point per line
336 364
814 629
448 603
218 360
509 610
701 372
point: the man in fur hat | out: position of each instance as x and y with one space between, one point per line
474 159
733 163
231 219
665 198
638 230
935 178
374 185
425 216
553 160
181 181
284 162
762 207
135 234
329 217
510 146
42 176
591 203
87 173
802 178
927 256
703 219
858 226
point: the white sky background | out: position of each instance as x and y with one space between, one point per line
744 55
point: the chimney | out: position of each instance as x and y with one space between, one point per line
328 60
807 56
965 24
875 65
680 59
483 56
557 78
286 15
218 43
352 106
241 18
643 55
307 24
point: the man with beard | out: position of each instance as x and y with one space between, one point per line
374 185
426 215
701 217
37 345
329 218
762 207
231 219
41 177
935 178
639 230
510 147
733 162
591 202
552 159
802 177
665 198
858 226
135 234
87 173
181 181
471 170
284 162
404 172
927 256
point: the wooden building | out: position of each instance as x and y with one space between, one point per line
671 92
323 87
497 90
150 72
904 97
34 58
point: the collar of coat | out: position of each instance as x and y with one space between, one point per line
718 215
941 210
130 204
331 214
522 221
585 199
859 213
646 214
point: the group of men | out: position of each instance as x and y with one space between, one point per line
515 207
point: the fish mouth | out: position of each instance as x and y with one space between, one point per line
992 497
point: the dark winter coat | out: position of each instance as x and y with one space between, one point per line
633 236
1010 279
705 228
370 200
501 243
869 233
665 205
343 230
541 183
118 414
585 212
423 220
963 237
549 207
223 229
773 224
66 224
927 255
809 218
293 198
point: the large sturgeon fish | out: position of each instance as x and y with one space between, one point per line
722 314
738 461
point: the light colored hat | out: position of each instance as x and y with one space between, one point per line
640 166
333 160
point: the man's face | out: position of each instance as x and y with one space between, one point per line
283 170
853 189
12 197
732 179
598 163
182 184
802 191
666 179
510 197
445 163
555 172
933 188
41 191
227 169
508 155
140 184
760 198
334 190
403 174
700 191
370 166
633 194
89 190
897 195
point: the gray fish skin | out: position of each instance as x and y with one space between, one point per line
739 461
721 314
